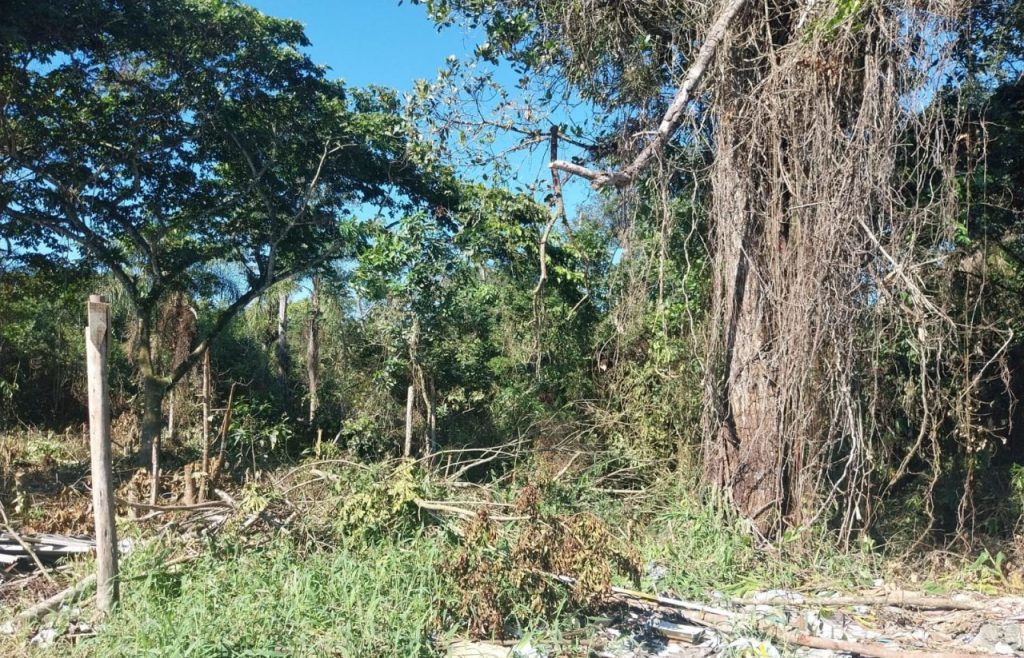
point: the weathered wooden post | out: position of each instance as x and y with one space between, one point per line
97 342
410 398
207 410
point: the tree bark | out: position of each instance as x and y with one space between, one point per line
743 457
787 258
154 390
172 427
97 350
410 399
207 410
433 416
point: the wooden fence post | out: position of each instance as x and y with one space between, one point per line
97 344
410 398
207 410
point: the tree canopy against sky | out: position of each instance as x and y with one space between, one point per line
832 190
163 138
194 152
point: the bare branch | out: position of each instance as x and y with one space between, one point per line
673 117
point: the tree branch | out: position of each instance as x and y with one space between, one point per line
673 117
229 313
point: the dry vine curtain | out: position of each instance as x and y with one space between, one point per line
832 184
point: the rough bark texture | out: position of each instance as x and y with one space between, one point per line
97 350
744 456
152 394
808 122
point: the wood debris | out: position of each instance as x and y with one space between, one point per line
49 548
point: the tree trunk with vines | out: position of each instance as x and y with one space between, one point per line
809 119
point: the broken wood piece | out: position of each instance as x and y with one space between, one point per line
435 506
28 549
53 603
210 504
870 649
97 349
680 632
698 612
666 601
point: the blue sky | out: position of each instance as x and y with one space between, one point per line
372 41
384 43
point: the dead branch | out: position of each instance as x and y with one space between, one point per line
212 504
673 117
660 600
872 649
896 599
24 545
54 602
435 506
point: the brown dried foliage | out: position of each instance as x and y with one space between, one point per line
507 573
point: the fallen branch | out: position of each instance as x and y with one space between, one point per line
53 603
73 593
719 613
28 549
211 504
675 603
661 600
871 649
435 506
897 599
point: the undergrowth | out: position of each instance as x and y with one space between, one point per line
366 571
279 600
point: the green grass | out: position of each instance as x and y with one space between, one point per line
279 601
391 590
704 549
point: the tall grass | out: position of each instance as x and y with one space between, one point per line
280 601
702 549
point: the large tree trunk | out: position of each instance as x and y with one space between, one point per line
744 457
799 163
154 390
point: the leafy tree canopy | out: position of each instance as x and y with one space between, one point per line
161 136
